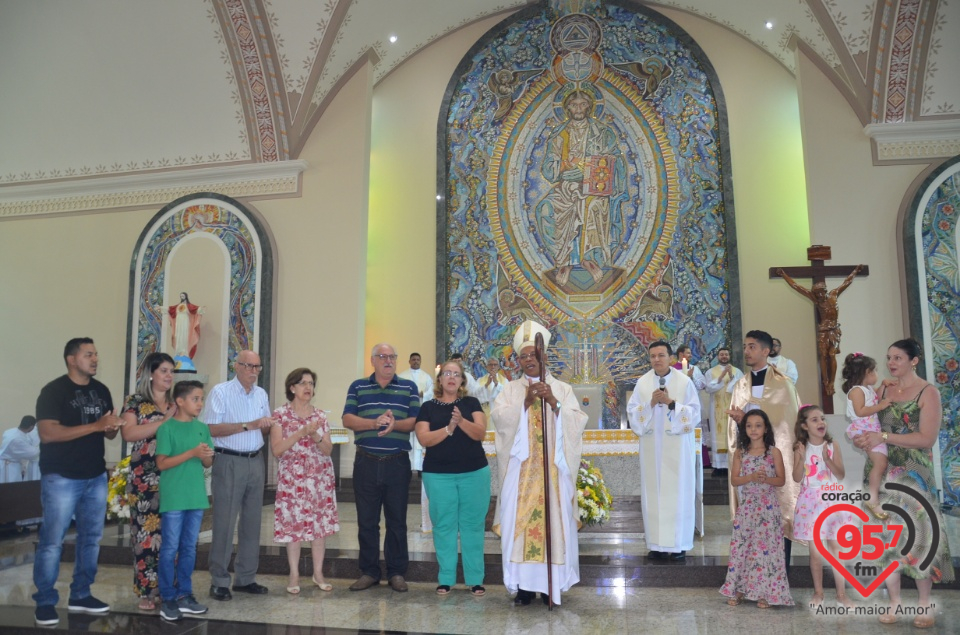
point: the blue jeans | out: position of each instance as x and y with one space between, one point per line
178 552
62 499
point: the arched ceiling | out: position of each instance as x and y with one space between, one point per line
108 88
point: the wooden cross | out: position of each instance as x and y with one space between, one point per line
826 311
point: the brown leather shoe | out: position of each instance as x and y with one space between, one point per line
364 583
397 583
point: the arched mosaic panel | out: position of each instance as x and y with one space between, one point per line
932 244
585 179
250 269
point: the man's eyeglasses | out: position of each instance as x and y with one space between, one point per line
451 373
254 367
384 358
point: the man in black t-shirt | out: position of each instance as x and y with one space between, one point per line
74 416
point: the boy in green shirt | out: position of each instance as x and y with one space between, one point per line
184 448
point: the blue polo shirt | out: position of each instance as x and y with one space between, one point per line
366 399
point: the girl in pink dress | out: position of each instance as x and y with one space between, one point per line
817 466
859 377
306 506
756 569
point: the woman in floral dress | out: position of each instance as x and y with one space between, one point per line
756 569
910 426
143 412
306 505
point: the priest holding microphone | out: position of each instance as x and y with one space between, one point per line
663 411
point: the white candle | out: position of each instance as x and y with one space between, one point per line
683 364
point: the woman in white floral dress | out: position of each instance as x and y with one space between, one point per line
306 505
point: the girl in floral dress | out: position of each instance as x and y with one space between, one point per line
817 463
756 569
143 412
863 405
306 505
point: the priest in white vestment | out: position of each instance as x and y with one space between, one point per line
20 453
663 411
519 519
424 382
720 380
783 364
491 385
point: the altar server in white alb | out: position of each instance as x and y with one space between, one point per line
519 519
663 411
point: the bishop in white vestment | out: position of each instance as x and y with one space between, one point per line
519 519
663 411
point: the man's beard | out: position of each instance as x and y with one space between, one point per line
772 354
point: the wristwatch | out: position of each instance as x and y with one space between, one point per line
245 428
885 436
672 405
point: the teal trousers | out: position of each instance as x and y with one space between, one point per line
458 507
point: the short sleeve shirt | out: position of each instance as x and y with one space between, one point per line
71 404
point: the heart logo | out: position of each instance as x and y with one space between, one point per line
854 582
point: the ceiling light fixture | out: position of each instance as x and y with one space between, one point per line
393 39
769 24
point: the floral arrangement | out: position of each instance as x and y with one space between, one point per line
594 500
117 504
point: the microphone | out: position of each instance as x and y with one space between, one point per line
663 382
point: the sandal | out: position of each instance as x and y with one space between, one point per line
477 590
878 513
443 589
762 604
147 604
737 601
324 586
923 621
843 600
294 590
890 617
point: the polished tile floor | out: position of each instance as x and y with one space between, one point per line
585 609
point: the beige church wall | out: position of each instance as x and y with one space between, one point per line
854 206
321 239
62 278
401 259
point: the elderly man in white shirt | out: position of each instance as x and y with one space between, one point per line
238 413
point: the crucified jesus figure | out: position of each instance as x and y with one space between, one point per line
828 326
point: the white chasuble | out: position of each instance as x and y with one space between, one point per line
520 463
668 465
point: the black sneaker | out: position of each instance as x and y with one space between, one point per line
189 604
170 611
46 616
88 604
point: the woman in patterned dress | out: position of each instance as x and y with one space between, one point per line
910 427
143 412
306 506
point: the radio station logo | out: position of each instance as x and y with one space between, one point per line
866 544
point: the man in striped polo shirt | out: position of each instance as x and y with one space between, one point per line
381 410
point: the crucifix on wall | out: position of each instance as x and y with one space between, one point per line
827 312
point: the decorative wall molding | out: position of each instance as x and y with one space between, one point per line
915 140
145 190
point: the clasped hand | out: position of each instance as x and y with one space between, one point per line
539 390
660 396
203 451
110 422
385 422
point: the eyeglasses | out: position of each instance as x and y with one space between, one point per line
384 358
451 373
527 356
255 367
305 384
